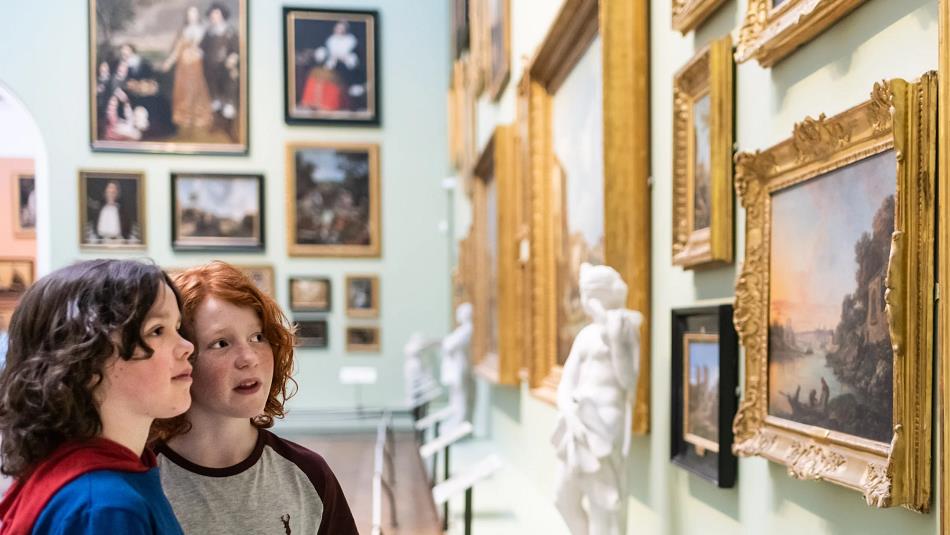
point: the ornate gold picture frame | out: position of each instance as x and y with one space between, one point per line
702 157
688 14
886 320
495 353
624 40
943 273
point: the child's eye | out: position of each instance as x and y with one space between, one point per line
157 331
258 337
218 344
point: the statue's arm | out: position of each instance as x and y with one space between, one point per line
570 376
623 327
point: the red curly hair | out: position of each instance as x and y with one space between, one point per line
226 282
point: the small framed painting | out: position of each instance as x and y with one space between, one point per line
24 216
331 67
362 339
217 212
705 373
312 333
111 210
362 296
310 294
16 275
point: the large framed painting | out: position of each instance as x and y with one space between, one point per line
168 76
834 305
499 33
333 199
111 210
773 29
310 294
331 66
588 150
702 158
688 14
217 212
24 199
16 275
495 353
362 296
705 368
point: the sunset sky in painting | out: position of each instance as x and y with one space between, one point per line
815 226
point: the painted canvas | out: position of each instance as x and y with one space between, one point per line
217 212
168 76
577 132
111 210
362 296
24 216
830 357
16 275
701 388
702 166
362 339
310 294
500 68
312 333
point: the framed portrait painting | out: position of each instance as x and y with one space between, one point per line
331 66
705 351
310 294
217 212
24 212
312 333
333 200
362 296
362 339
168 76
111 210
16 275
702 158
839 267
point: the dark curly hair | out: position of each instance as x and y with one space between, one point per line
226 282
63 331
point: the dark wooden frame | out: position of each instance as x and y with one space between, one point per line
314 343
176 246
724 470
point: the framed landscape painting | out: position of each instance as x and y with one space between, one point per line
217 212
362 339
310 294
168 76
312 333
333 200
839 267
331 70
111 210
705 373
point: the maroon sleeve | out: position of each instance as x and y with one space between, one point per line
337 518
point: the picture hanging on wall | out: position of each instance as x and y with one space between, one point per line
834 304
312 333
333 199
217 212
362 296
362 339
310 294
111 210
16 275
168 76
460 27
331 66
499 29
705 351
24 214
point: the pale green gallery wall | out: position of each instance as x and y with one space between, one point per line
44 65
882 39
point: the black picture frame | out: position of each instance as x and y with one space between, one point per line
298 306
208 242
294 84
313 333
719 468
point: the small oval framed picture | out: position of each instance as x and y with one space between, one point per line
310 294
111 210
362 296
217 212
362 338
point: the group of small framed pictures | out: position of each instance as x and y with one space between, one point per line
313 295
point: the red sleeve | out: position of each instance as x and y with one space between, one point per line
337 518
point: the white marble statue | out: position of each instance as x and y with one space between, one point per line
595 401
417 374
455 365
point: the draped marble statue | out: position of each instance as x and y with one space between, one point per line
455 364
595 402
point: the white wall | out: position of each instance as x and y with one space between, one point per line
883 39
45 64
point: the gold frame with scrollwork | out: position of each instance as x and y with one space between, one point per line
900 116
708 73
943 272
624 33
769 33
688 14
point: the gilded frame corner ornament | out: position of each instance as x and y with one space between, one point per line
769 33
688 14
709 73
900 116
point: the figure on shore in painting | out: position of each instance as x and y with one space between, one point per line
221 47
594 401
454 372
191 101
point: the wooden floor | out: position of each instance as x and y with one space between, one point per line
350 456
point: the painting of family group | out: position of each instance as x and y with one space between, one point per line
830 357
169 75
701 375
331 69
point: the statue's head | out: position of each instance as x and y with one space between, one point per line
603 284
463 314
